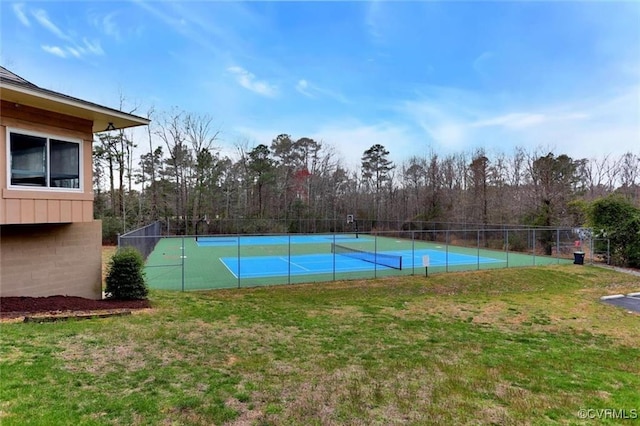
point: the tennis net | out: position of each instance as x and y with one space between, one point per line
390 260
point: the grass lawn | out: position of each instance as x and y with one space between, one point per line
510 346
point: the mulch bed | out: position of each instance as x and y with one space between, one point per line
65 306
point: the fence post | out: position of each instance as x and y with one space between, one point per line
558 245
182 256
534 247
446 249
478 247
375 254
289 262
506 246
333 257
413 252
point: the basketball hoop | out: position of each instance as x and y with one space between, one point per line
349 218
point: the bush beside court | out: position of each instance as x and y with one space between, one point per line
510 346
125 277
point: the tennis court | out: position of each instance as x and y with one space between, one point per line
212 262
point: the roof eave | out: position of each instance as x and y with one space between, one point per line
101 116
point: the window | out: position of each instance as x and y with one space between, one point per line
41 161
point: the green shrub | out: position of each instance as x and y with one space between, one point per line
617 219
125 279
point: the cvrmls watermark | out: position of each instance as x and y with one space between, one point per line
608 413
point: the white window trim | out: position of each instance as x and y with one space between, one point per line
48 137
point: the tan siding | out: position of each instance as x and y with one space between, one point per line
87 211
53 210
76 211
27 211
18 206
3 163
3 171
65 211
47 260
41 212
12 211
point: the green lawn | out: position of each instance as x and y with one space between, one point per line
509 346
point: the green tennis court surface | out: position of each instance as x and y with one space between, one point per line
184 263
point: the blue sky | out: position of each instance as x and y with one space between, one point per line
416 77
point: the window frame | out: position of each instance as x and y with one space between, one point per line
48 137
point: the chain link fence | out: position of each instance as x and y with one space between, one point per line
212 261
143 239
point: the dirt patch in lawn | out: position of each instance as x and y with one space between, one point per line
19 307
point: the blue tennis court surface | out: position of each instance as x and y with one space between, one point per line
275 266
267 240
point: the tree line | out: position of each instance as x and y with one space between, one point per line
183 177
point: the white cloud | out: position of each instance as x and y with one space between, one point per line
443 123
55 50
92 47
108 25
303 87
374 21
351 138
513 120
583 127
74 52
43 19
73 48
250 82
312 91
18 9
518 120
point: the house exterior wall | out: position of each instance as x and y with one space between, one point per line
51 259
29 206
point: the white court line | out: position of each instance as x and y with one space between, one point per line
229 269
294 264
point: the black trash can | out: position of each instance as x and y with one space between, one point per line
578 258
